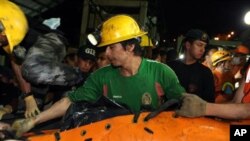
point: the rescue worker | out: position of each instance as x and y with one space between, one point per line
147 46
194 77
239 60
193 106
86 57
130 80
85 61
208 62
223 79
41 64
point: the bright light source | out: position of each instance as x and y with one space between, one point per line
156 43
216 38
181 56
232 33
247 18
229 35
236 85
92 39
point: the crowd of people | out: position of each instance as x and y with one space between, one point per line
125 67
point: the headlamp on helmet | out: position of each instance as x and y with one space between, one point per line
95 37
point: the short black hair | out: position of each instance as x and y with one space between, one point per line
136 42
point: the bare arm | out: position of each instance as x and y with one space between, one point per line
24 85
229 111
56 110
31 105
240 92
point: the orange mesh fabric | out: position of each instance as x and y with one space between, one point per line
224 86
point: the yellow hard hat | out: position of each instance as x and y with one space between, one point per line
119 28
219 56
14 23
146 41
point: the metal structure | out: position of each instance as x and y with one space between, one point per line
95 11
36 7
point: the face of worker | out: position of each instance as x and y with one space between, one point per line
117 55
85 65
196 49
227 66
102 60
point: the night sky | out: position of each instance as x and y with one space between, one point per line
176 17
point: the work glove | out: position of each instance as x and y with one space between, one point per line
31 107
192 106
5 110
21 126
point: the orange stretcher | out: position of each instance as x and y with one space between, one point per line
163 127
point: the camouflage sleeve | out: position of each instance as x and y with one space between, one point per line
43 63
38 70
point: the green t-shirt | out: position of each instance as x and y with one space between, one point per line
153 83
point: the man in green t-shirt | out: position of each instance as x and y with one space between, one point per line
130 79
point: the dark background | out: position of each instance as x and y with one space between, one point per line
175 17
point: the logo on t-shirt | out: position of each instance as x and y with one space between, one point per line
146 99
228 88
117 96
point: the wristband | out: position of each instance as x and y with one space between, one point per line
27 94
